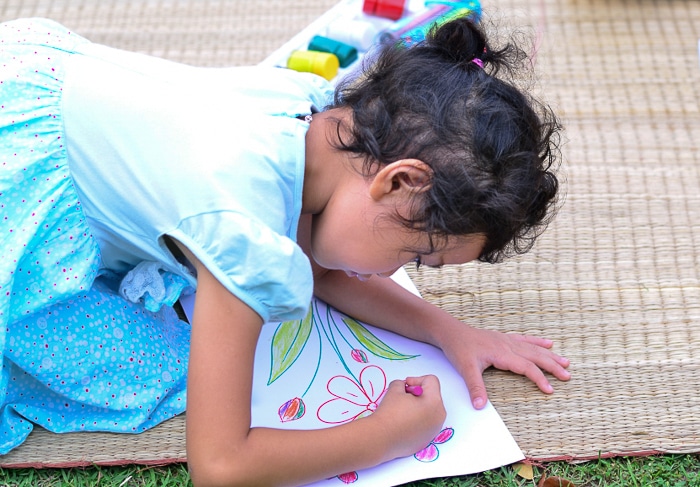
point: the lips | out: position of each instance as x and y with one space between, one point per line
361 277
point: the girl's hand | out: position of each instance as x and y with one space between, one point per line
411 421
472 350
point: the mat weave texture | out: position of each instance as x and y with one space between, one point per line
614 281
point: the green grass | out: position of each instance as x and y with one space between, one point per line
656 471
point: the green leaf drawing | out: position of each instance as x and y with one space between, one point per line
287 344
372 343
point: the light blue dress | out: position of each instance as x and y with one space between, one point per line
102 154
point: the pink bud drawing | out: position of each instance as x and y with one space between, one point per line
359 356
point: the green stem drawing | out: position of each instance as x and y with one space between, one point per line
291 337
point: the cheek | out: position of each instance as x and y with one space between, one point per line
333 247
323 242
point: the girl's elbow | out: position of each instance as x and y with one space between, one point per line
207 474
220 473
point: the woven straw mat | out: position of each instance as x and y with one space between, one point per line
613 281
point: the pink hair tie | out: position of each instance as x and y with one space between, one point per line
478 62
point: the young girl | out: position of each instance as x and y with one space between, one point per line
127 181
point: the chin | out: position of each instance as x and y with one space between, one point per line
324 263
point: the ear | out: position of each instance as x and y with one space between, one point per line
402 177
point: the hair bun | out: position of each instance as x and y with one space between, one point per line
460 41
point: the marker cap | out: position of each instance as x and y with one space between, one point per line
320 63
356 33
391 9
346 53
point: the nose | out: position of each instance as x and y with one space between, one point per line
389 273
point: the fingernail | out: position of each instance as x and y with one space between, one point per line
478 403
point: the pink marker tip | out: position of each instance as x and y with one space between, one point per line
415 390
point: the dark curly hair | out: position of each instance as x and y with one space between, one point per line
492 148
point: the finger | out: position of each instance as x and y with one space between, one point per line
554 357
416 385
552 363
414 381
556 370
413 386
535 374
543 358
530 368
562 374
477 389
532 340
397 385
563 361
430 380
423 380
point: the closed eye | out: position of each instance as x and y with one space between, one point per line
419 262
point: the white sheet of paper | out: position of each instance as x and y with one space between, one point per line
310 376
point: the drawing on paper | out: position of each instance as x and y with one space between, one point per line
346 337
348 478
353 399
431 453
325 345
292 410
353 388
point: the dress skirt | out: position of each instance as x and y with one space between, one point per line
76 356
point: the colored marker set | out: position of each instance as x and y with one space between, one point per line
413 29
342 36
323 57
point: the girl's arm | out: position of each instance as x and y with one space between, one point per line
384 303
222 448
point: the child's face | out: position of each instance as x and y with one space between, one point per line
459 251
354 226
363 246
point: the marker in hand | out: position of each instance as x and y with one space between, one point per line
415 390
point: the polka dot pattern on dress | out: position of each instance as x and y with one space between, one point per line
76 356
46 249
95 362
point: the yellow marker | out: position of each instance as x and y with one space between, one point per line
320 63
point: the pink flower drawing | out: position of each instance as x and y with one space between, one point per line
352 400
430 453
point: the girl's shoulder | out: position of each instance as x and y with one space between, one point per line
274 90
28 33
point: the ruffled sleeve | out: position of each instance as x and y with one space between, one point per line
267 271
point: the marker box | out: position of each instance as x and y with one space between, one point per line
345 53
